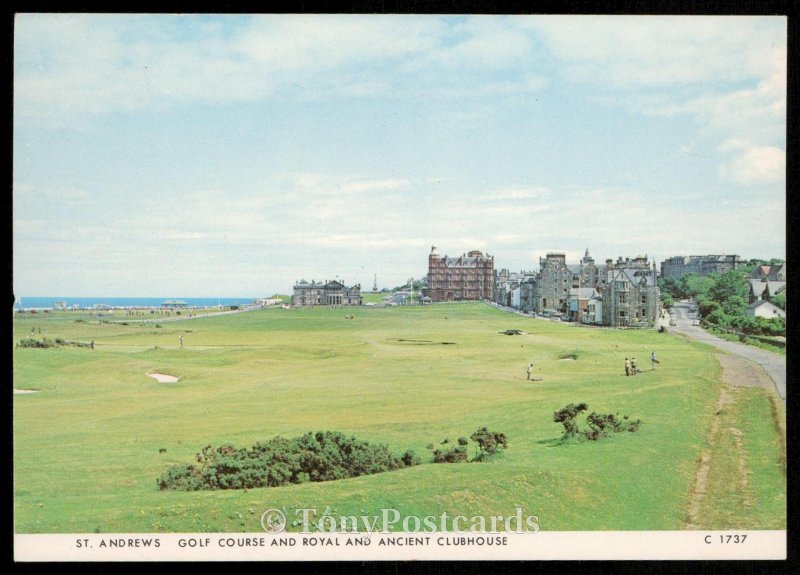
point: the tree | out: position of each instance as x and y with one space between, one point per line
735 305
727 286
707 307
671 287
695 286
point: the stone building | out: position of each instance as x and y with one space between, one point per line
325 293
513 289
467 277
630 295
589 273
677 266
557 278
555 281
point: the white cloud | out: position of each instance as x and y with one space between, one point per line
727 73
755 165
73 64
636 51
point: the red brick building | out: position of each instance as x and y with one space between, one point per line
467 277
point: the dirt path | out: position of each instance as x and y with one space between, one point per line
737 372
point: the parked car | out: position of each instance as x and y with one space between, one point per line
696 322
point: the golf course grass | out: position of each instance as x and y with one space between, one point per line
90 444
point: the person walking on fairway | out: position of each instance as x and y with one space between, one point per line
530 371
627 366
653 359
633 366
180 339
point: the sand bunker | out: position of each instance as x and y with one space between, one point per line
164 378
21 391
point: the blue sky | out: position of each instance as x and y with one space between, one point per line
229 156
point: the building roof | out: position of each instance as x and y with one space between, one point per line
633 275
464 261
334 284
761 271
759 288
778 272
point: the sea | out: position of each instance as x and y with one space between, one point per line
127 302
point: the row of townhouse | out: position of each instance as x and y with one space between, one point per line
619 294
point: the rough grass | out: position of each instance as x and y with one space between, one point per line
747 476
89 447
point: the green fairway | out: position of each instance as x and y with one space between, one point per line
90 444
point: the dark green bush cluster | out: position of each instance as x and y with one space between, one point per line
30 342
454 454
600 424
322 456
489 443
60 341
48 343
566 416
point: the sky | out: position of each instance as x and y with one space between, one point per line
234 155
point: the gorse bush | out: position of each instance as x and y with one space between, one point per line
456 454
48 343
30 342
489 443
322 456
600 424
566 417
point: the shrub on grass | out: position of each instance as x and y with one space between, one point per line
323 456
30 342
456 454
410 458
489 442
566 417
600 424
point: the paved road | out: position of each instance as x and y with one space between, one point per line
773 364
